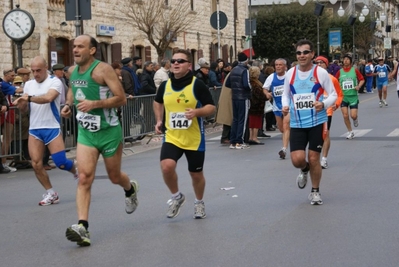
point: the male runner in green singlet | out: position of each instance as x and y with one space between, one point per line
96 92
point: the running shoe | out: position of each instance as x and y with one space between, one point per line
351 135
302 179
175 205
11 169
199 210
282 153
49 199
385 102
315 198
380 104
132 201
356 122
78 233
232 146
324 163
241 146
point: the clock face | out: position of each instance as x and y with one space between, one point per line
18 24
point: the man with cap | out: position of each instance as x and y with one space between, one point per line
24 74
238 81
136 63
303 98
323 62
58 71
382 72
202 73
351 80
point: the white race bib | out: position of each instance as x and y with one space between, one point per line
304 101
382 74
347 85
178 121
278 90
88 121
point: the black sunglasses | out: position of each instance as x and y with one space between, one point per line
179 61
305 52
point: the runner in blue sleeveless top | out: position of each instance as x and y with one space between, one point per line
304 88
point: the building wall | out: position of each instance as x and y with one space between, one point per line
49 14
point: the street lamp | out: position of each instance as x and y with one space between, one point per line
351 21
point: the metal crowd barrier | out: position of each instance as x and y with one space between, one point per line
215 92
137 120
13 130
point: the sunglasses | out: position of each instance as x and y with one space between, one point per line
319 62
178 61
305 52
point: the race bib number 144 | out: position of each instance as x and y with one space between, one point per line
178 121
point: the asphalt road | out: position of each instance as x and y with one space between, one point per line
263 220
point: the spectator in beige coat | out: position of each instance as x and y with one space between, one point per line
163 73
225 111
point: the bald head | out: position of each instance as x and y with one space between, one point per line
39 69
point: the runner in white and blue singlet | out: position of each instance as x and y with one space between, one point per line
304 87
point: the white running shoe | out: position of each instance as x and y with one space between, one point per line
132 202
232 146
199 210
324 163
380 104
356 122
11 169
302 179
351 135
49 199
315 198
241 146
385 102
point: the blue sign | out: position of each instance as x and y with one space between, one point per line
105 30
334 41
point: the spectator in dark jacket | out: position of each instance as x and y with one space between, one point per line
3 109
334 68
147 80
202 73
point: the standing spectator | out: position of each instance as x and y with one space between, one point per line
136 63
369 69
42 96
3 109
362 70
24 74
225 110
8 118
203 73
184 134
162 74
128 84
147 88
238 81
256 110
334 67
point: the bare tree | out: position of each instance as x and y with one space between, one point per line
160 23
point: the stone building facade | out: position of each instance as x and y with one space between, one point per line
53 35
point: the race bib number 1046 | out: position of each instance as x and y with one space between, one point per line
304 101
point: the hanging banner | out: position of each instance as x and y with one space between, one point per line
387 43
334 41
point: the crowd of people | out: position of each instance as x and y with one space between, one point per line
248 97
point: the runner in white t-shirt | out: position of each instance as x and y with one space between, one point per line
42 97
